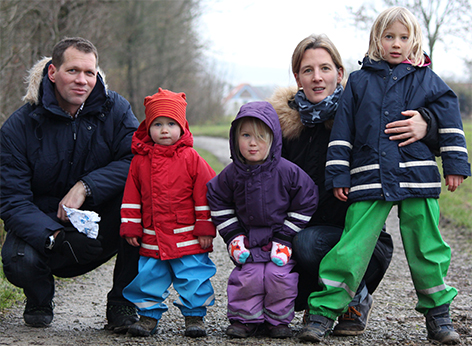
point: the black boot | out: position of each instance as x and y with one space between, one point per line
439 326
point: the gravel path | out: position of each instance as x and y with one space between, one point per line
80 307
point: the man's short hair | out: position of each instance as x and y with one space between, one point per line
79 43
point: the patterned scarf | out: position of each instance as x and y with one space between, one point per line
312 114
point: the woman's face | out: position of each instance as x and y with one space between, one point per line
318 75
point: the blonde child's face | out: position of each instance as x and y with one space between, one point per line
164 131
395 45
253 149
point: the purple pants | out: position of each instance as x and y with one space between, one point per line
262 292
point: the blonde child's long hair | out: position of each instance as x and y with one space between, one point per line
386 19
261 130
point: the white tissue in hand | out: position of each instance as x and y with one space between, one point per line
84 220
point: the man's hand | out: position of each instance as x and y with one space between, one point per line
77 246
411 130
74 199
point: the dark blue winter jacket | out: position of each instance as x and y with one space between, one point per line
44 152
360 155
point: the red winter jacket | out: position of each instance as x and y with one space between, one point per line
164 201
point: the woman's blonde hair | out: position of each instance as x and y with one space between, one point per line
313 42
261 130
384 21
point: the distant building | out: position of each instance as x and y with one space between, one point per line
243 94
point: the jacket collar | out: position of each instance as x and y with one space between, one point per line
379 65
142 143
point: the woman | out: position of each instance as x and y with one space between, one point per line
306 117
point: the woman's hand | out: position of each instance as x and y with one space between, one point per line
411 129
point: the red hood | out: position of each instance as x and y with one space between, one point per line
142 143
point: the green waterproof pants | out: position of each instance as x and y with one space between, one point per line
428 256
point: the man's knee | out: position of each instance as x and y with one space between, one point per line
312 244
21 262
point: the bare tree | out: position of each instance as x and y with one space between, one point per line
143 45
159 46
439 19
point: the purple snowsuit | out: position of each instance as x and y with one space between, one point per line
268 202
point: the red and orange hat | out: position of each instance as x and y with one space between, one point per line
166 103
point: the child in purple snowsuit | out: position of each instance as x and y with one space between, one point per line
258 203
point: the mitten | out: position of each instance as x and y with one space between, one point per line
237 250
77 246
280 254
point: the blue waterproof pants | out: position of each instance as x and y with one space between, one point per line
190 276
428 256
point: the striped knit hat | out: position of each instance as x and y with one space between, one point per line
166 103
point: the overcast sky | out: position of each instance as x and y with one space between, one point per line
253 40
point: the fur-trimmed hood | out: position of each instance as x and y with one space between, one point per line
35 78
289 118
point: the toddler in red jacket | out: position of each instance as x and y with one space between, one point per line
166 213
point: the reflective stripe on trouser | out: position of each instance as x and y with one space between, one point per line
428 256
259 292
190 276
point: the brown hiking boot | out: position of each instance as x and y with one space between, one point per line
354 320
146 326
194 326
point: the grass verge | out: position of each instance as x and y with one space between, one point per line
211 159
219 129
456 207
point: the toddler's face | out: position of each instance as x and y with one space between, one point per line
395 45
165 131
253 149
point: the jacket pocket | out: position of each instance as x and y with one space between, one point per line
416 151
185 217
363 156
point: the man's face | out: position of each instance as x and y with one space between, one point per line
75 79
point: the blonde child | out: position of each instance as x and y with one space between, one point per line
374 174
258 203
165 212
